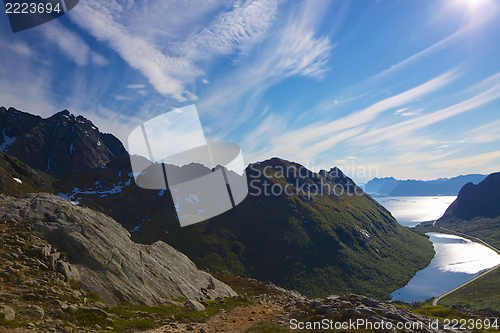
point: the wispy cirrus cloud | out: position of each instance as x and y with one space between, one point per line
401 110
233 31
472 161
409 126
309 141
294 49
20 48
70 44
136 51
486 133
136 86
486 14
170 63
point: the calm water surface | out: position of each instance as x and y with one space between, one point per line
410 211
457 259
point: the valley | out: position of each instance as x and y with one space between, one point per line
320 243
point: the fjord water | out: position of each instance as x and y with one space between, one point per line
410 211
457 260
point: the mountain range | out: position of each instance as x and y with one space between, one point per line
392 187
319 244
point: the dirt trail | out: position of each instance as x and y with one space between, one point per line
235 320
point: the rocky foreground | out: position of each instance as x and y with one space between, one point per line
95 251
70 269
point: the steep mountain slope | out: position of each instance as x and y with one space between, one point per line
476 211
17 179
112 190
59 145
317 243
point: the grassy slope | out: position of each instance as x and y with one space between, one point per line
487 229
475 212
479 294
268 238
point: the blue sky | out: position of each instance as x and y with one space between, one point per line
409 89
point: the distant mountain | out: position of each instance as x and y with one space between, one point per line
476 211
59 145
381 185
442 186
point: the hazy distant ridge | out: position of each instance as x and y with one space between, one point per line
443 186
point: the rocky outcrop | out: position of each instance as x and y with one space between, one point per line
103 258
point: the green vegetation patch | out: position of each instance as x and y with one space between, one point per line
11 324
482 293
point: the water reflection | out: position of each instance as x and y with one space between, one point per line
457 260
410 211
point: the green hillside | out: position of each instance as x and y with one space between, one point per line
317 244
476 211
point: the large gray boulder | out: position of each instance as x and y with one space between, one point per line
106 260
8 312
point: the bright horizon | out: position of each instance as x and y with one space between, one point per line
410 88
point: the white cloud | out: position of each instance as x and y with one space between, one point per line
72 45
67 41
401 110
400 129
98 59
412 113
293 49
486 133
122 98
472 26
142 92
308 142
140 54
256 140
148 45
301 53
21 48
236 30
470 161
136 86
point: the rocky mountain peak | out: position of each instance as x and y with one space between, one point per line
59 145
